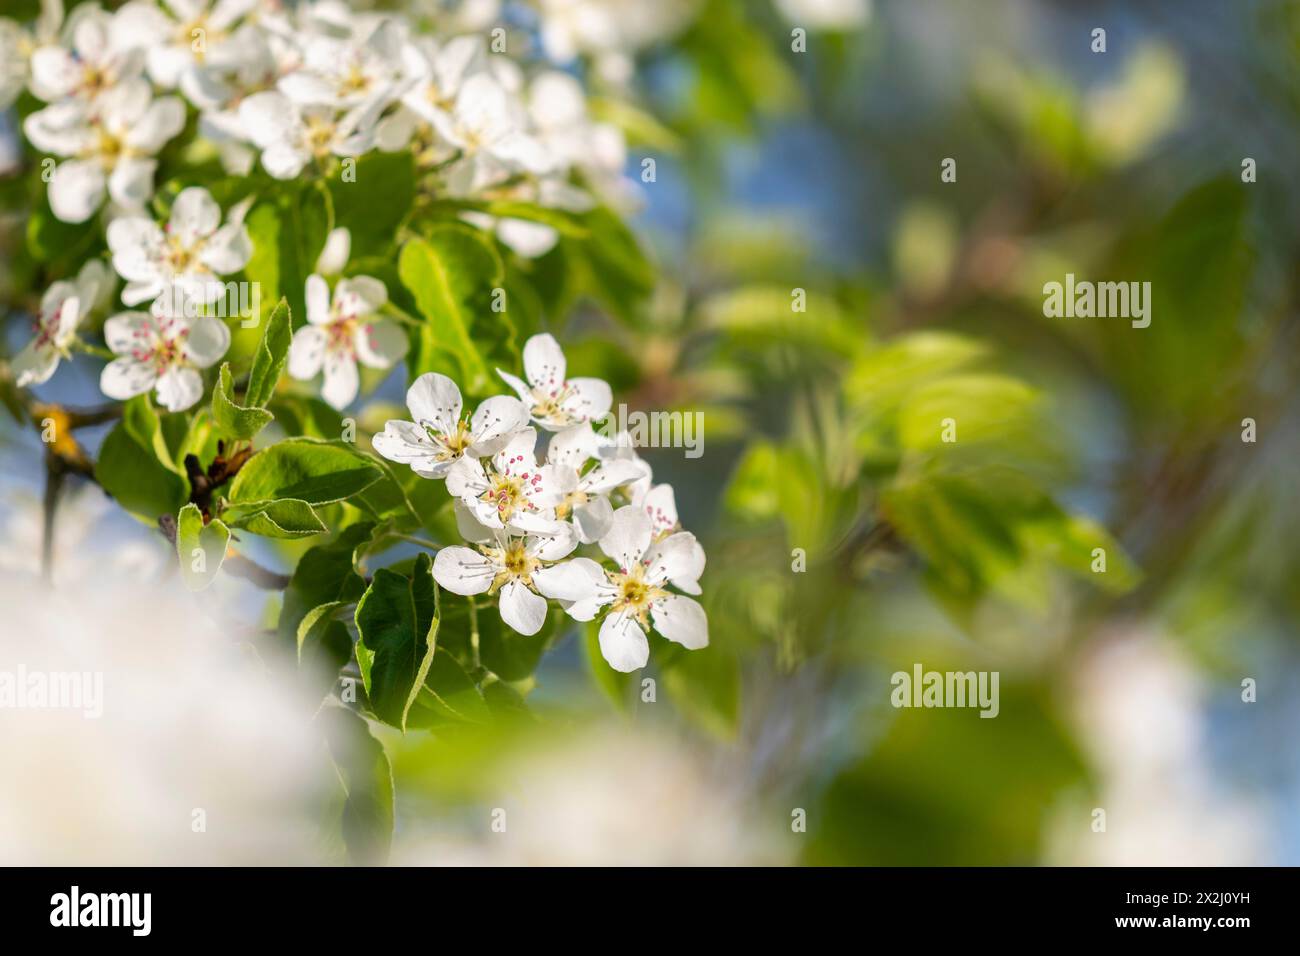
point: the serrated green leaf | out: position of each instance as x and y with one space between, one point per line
200 548
280 518
316 472
272 351
398 625
451 274
233 419
367 779
135 466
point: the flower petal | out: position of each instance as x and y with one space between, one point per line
195 215
463 571
179 388
318 301
628 537
544 363
495 423
208 340
342 381
76 189
521 608
434 400
229 249
588 399
307 352
380 344
571 580
681 620
623 644
126 378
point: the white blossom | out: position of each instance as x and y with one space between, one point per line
108 145
554 401
164 352
342 332
183 257
63 307
438 436
636 594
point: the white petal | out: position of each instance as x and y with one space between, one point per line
435 400
208 340
179 388
463 571
495 423
661 507
307 352
229 249
609 475
195 214
679 559
521 608
519 385
55 73
125 378
681 620
589 399
544 363
571 580
627 538
359 295
573 446
623 644
380 344
338 247
163 120
268 118
61 129
76 190
342 381
282 160
136 244
465 480
553 547
400 441
531 240
131 182
33 365
517 455
318 301
592 519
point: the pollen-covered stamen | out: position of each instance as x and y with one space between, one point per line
509 489
512 563
635 595
548 403
573 499
160 344
340 338
451 445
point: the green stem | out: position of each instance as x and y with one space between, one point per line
473 631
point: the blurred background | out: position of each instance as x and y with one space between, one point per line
799 145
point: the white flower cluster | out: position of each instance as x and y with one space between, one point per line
297 88
526 517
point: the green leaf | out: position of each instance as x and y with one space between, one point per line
612 265
367 779
200 548
324 646
268 361
448 694
316 472
232 419
135 466
375 205
705 687
324 574
510 655
280 518
397 621
451 275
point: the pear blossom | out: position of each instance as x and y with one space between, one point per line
584 492
341 332
438 436
88 62
291 135
555 402
181 36
636 594
520 570
107 145
183 257
489 127
164 352
345 72
510 490
63 307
